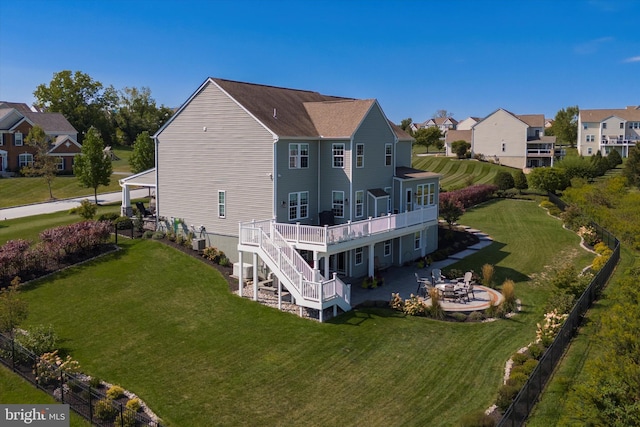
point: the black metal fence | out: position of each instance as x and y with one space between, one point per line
74 390
528 396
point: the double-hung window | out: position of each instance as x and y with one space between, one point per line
60 163
359 257
298 156
222 204
25 159
337 205
388 154
298 205
17 141
359 155
338 155
416 240
359 203
387 248
425 194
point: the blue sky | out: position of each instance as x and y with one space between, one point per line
469 57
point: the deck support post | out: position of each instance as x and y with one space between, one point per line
255 276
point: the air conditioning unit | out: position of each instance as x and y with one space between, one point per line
197 244
247 270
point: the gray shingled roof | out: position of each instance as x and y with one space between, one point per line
20 106
51 122
404 172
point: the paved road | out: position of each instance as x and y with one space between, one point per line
65 204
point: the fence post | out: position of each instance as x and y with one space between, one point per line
90 406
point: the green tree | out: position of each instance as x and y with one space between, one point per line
93 168
600 164
520 181
631 168
565 126
614 159
405 125
82 100
577 167
43 165
460 148
143 156
13 309
137 112
548 179
428 136
450 210
503 180
442 114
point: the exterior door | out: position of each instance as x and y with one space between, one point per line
409 200
338 263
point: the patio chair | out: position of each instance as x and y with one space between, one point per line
144 211
423 285
468 283
450 292
437 277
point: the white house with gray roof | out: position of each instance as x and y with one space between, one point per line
607 130
310 187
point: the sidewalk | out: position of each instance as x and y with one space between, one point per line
65 204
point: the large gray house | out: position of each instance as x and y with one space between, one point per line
306 186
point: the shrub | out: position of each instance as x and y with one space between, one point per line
519 358
125 419
601 248
414 306
95 382
503 180
517 379
123 223
546 204
546 332
508 291
180 239
526 368
459 317
86 210
598 263
559 301
111 216
138 223
49 366
487 275
495 311
115 392
134 404
435 310
536 350
224 261
39 340
475 316
476 419
555 211
506 393
158 235
211 253
104 410
171 236
147 234
396 303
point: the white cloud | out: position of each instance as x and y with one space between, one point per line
592 46
632 59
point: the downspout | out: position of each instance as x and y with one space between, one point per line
351 169
318 179
156 142
275 178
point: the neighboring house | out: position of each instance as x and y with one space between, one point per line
16 120
455 135
467 123
513 140
608 130
303 185
445 124
548 123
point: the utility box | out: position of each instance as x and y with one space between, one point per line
197 244
247 270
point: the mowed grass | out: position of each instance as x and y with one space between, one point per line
16 390
457 173
165 326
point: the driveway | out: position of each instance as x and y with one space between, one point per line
65 204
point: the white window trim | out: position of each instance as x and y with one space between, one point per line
60 163
1 139
298 206
15 139
297 158
334 204
335 156
358 253
387 248
360 157
425 194
360 203
28 162
417 240
388 154
388 191
222 206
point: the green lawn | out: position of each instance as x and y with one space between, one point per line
16 390
456 173
122 165
164 325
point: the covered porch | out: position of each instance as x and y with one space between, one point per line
145 179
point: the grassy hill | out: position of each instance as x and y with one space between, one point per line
459 173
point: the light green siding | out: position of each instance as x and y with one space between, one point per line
290 180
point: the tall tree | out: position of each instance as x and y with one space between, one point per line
43 164
520 181
82 100
565 126
93 167
442 114
137 112
405 125
144 153
460 148
13 309
631 169
428 136
548 179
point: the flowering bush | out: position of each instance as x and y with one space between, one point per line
470 196
589 235
414 306
51 365
396 303
115 392
546 332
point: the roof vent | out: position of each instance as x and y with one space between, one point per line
275 114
